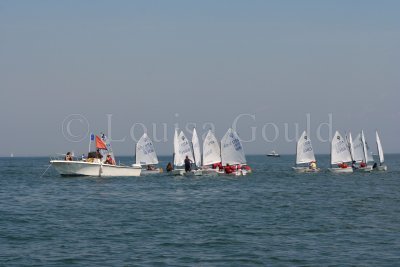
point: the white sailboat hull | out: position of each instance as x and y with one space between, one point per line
81 168
381 168
364 169
182 172
151 172
341 170
305 169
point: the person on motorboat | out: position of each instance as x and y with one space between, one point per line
109 160
68 157
188 164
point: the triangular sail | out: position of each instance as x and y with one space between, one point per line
196 148
358 150
145 152
350 145
304 153
367 155
380 149
211 149
339 150
182 149
232 149
176 148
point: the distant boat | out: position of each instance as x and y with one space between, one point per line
273 154
12 155
183 149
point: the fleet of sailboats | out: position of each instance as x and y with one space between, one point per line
219 158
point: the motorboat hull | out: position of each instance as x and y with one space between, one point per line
82 168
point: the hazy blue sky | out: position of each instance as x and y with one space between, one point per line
156 62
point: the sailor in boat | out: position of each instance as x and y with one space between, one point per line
188 164
363 164
375 165
313 165
353 164
68 157
343 165
109 160
246 167
228 169
151 167
169 167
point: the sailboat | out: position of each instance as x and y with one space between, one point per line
146 156
340 154
381 166
94 166
358 152
232 152
304 154
182 149
367 155
211 153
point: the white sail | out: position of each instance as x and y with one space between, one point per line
176 148
350 145
339 150
380 149
367 155
145 152
304 153
182 148
358 149
232 149
211 150
196 148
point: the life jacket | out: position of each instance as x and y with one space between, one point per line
228 169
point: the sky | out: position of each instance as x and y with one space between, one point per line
68 68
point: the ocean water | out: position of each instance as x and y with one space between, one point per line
273 217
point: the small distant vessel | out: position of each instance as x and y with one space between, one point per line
273 154
146 156
11 155
381 166
340 154
305 155
95 166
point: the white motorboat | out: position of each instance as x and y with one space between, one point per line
97 168
94 166
273 154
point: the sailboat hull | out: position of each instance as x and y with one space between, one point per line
81 168
305 169
381 168
364 169
341 170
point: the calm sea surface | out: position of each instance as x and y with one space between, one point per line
272 217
